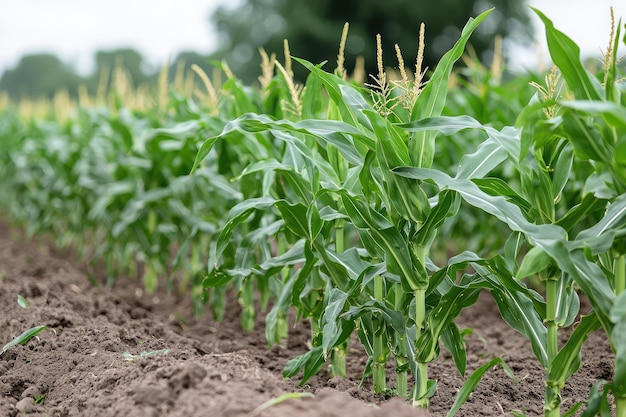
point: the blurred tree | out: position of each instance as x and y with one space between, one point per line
313 29
129 59
39 75
184 60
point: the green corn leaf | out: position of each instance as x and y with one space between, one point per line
239 214
618 341
562 170
311 361
406 199
262 166
613 114
314 221
567 361
519 306
471 383
448 308
351 261
204 151
109 196
453 341
543 195
312 101
334 270
566 56
551 238
498 187
24 337
573 410
535 261
349 140
392 318
586 138
397 254
446 125
330 214
369 273
447 206
281 305
600 185
368 176
300 186
179 131
216 279
125 133
518 312
567 302
337 161
433 98
587 207
304 276
598 403
512 248
293 256
620 152
456 264
332 325
614 218
348 100
478 164
490 152
494 205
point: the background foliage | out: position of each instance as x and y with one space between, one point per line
313 30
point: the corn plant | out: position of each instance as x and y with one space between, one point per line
337 179
592 123
532 213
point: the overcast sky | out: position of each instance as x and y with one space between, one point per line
159 29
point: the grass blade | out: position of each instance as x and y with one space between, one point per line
473 381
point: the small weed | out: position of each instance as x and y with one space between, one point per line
282 398
24 337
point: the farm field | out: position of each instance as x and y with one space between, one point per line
450 241
213 368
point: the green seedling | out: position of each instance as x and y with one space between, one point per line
24 337
22 302
280 399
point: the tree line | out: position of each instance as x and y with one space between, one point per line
43 74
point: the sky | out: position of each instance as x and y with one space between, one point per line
75 29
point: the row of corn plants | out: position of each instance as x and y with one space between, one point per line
341 201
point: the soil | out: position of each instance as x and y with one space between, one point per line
78 367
